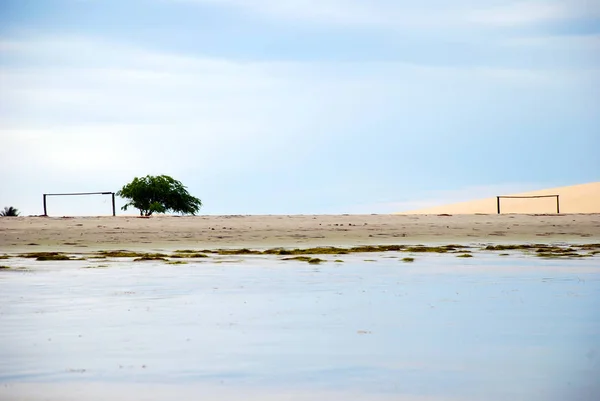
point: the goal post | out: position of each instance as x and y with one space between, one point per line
527 197
112 194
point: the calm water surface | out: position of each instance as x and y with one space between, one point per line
441 328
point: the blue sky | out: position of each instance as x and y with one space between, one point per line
298 106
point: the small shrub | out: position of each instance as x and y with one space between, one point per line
9 211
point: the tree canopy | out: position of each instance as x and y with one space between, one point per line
159 194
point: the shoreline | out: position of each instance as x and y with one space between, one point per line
312 255
33 234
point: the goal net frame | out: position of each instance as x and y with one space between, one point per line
114 211
527 197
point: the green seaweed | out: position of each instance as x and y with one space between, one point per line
35 255
130 254
278 251
555 249
300 258
456 246
44 256
376 248
408 260
243 251
550 255
54 257
428 249
307 251
148 258
545 250
332 250
307 254
305 259
189 255
508 247
512 247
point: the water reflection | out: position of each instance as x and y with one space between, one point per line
439 328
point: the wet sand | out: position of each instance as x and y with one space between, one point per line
170 232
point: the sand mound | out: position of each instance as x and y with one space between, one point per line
584 198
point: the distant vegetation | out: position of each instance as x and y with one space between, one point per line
9 211
159 194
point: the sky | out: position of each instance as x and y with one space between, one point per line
297 106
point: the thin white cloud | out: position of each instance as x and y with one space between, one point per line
520 13
345 12
162 110
219 99
586 44
405 14
76 110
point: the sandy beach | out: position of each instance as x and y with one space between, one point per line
170 232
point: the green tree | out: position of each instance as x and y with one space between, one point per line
159 194
9 211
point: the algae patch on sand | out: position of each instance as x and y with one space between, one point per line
45 256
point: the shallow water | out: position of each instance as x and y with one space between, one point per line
441 328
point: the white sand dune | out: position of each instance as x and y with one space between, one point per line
584 198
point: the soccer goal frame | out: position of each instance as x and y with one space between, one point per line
526 197
112 194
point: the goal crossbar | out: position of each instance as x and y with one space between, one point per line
525 197
114 211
